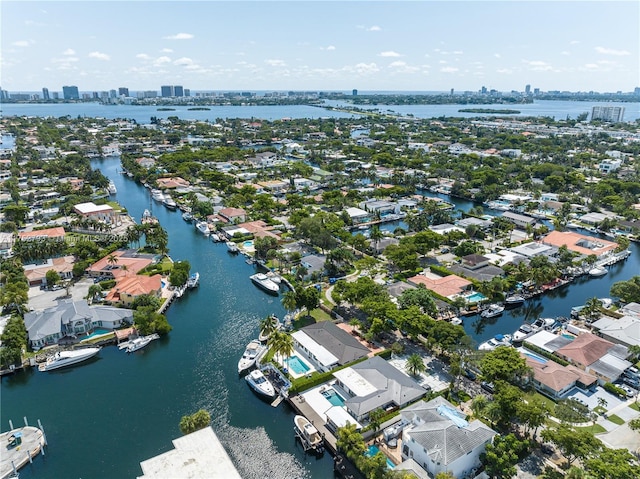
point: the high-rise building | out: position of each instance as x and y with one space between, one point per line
483 90
178 90
187 92
614 114
55 95
354 92
123 91
536 91
166 91
527 89
70 92
45 94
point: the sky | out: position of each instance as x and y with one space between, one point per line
320 45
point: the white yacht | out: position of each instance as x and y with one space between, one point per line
169 202
188 217
260 384
203 227
232 247
308 434
140 342
523 331
497 341
597 271
112 188
543 323
67 358
194 280
492 311
254 350
157 195
262 281
514 300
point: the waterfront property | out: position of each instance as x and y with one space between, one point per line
120 263
555 380
447 286
585 245
128 288
440 439
71 320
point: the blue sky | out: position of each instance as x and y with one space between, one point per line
321 45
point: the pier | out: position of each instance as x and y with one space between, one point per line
20 445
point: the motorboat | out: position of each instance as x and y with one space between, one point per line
67 358
203 227
492 311
308 434
497 341
157 195
266 332
455 321
188 217
514 300
148 218
169 203
522 332
232 247
194 280
274 277
543 323
262 281
260 384
254 350
140 342
597 272
215 238
111 188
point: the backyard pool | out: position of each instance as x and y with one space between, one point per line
98 332
248 244
475 297
373 450
333 397
295 364
533 356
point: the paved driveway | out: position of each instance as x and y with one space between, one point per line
40 299
591 398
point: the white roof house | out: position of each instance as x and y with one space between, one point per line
315 350
87 209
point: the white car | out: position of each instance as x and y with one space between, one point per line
628 391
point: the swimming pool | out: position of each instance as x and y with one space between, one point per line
373 450
475 297
533 356
248 244
295 364
333 397
98 332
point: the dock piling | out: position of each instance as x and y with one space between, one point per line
44 436
10 425
25 421
30 458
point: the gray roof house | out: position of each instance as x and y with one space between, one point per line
71 319
440 439
376 384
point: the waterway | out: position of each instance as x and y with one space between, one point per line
103 418
143 113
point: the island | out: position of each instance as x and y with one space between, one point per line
166 109
199 108
489 110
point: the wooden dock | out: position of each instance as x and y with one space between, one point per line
32 441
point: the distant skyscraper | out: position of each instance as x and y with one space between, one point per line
70 93
45 94
527 89
123 91
187 92
483 90
55 95
354 92
452 92
166 91
614 114
178 90
636 90
536 91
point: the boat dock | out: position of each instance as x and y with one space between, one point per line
20 446
279 381
299 405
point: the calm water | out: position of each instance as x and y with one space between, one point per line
142 114
103 418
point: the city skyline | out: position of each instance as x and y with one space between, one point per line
326 46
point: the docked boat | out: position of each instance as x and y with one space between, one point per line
111 188
148 218
157 195
215 238
232 247
544 323
274 277
514 300
203 227
254 350
260 384
169 203
456 321
597 272
497 341
67 358
194 280
188 217
522 332
492 311
140 342
262 281
308 434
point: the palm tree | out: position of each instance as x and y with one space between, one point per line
268 326
112 259
289 301
375 235
415 364
282 344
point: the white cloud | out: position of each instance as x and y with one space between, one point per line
591 66
143 56
538 65
374 28
449 69
497 55
69 51
179 36
505 71
565 53
402 67
330 48
275 63
162 60
100 56
611 51
21 43
184 61
390 53
65 60
574 42
166 50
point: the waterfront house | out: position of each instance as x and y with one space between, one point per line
521 221
585 245
36 273
358 216
555 380
96 212
375 384
440 439
120 263
477 266
71 319
265 159
447 286
233 215
327 346
172 183
56 233
128 288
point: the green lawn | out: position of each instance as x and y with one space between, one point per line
635 406
616 419
544 399
594 429
319 315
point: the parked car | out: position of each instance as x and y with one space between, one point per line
470 374
487 386
547 449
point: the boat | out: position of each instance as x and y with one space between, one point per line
148 218
67 358
253 352
597 272
522 332
203 227
111 188
260 384
308 434
215 238
262 281
140 342
232 247
514 300
193 280
492 311
455 321
543 323
274 277
497 341
169 203
188 217
157 195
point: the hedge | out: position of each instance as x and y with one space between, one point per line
544 353
613 389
